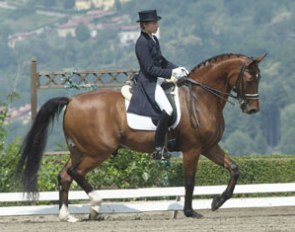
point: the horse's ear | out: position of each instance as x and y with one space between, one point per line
259 58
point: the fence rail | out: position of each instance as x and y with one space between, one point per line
143 199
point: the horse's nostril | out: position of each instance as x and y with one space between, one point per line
252 111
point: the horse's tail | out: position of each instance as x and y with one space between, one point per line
34 144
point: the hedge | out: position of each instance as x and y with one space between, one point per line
131 170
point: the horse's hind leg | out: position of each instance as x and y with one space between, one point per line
64 182
78 171
218 156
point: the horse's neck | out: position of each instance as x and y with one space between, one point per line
217 77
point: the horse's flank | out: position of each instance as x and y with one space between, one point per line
103 111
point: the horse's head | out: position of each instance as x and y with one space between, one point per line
246 85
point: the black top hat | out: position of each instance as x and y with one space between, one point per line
148 16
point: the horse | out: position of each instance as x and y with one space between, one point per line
95 126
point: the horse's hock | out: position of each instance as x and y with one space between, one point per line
77 79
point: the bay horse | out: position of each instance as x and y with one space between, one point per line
95 126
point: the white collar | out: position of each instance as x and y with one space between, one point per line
153 38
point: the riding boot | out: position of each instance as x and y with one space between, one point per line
160 151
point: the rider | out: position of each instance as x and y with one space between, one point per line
153 65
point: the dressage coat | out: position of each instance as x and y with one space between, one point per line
152 65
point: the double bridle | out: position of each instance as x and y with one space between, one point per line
238 88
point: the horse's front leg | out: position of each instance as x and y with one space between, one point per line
190 162
218 156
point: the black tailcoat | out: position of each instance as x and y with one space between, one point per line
152 65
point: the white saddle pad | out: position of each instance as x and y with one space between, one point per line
139 122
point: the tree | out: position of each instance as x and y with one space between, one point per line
3 115
82 32
288 117
47 3
287 143
5 32
7 56
69 4
118 5
260 144
239 143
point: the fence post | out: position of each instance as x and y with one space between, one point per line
34 86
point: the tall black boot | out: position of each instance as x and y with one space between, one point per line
160 151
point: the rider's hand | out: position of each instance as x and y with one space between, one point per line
184 70
173 79
179 72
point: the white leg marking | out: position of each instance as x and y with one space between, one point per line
64 215
95 200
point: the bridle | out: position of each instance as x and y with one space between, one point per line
238 88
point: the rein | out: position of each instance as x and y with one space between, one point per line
241 96
211 90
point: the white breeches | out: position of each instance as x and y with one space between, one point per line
162 100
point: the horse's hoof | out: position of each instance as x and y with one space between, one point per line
193 214
65 216
217 202
93 214
96 217
197 215
69 218
73 219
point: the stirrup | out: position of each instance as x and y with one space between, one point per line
160 153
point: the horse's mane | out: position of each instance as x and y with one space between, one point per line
215 58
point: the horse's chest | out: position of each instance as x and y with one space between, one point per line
212 129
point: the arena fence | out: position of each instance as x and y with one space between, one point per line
151 199
75 79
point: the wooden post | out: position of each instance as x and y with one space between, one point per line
34 86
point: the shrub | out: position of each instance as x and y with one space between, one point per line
135 170
125 170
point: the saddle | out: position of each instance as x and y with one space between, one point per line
140 122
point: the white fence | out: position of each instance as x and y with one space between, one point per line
143 200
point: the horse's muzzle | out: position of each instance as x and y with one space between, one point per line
250 109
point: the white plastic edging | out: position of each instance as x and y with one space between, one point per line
155 192
149 205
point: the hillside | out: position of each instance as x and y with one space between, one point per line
190 32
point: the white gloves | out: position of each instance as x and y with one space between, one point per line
179 72
184 70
